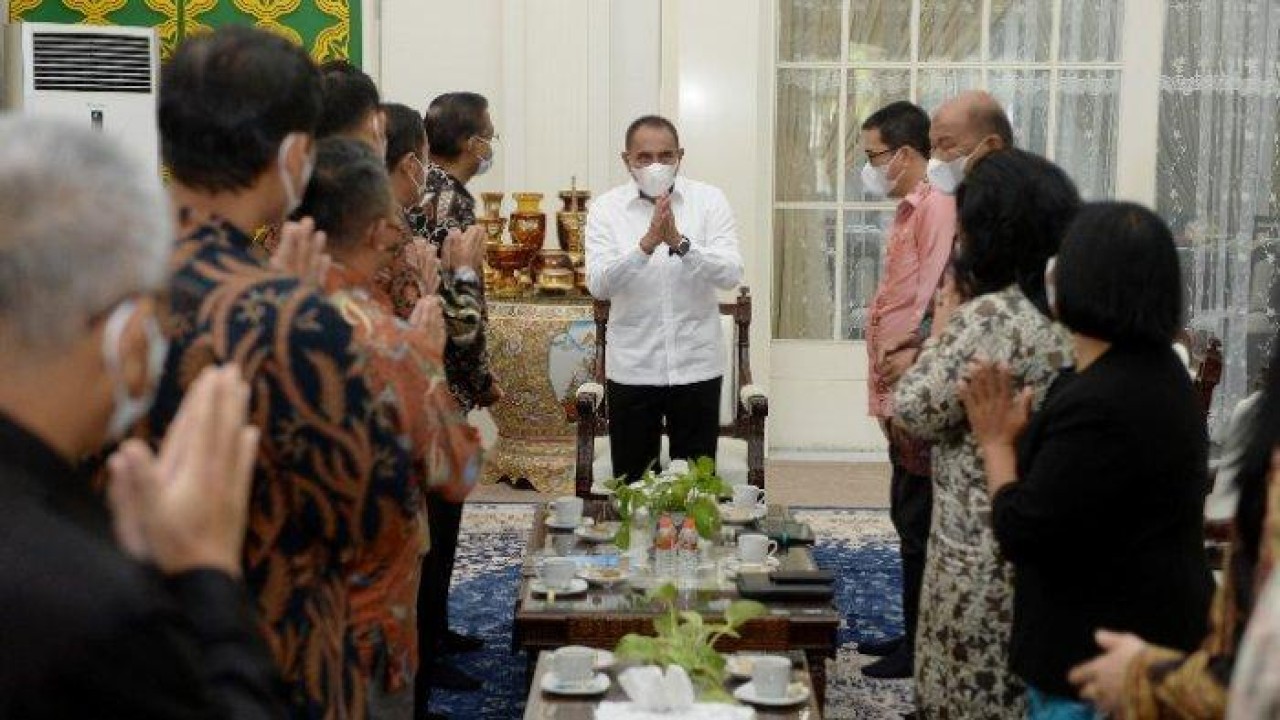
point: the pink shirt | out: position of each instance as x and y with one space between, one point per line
919 247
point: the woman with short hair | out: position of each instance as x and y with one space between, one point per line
1097 498
1013 208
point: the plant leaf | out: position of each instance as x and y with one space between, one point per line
740 611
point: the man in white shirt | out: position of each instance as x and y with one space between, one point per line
664 354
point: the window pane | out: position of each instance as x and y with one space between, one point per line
879 30
864 234
869 90
950 29
1088 115
1025 97
1091 30
809 30
804 274
934 87
807 126
1020 30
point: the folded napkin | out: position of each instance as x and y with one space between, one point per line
658 695
697 711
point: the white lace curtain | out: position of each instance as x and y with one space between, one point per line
1219 168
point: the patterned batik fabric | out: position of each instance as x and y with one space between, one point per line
330 472
405 373
966 604
460 300
1164 683
448 205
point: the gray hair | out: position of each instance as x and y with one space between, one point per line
82 227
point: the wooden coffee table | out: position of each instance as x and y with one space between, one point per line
603 615
544 706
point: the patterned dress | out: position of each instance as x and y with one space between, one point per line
448 205
966 605
406 375
330 472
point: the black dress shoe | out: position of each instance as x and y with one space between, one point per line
455 643
435 716
447 677
880 648
892 667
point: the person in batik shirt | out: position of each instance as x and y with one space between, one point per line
330 473
350 198
459 282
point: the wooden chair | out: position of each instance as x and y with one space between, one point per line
740 456
1217 533
1209 374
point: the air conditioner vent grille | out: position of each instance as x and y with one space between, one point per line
91 62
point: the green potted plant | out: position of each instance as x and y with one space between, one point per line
693 491
687 640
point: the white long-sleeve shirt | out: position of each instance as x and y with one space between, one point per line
664 322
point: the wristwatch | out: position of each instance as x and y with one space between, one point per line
681 249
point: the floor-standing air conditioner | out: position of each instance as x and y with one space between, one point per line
104 77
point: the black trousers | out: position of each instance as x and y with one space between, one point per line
636 415
911 510
445 521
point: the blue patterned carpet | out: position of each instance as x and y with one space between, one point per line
859 545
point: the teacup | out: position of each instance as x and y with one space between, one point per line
575 665
746 497
557 573
771 675
753 548
566 510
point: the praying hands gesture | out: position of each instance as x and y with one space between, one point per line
463 248
422 257
301 252
945 302
662 227
997 416
187 508
428 316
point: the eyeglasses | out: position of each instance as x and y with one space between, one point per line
871 156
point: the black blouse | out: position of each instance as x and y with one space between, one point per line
1105 525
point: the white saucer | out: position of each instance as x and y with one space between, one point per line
733 566
796 694
598 575
598 684
557 525
604 532
731 514
576 587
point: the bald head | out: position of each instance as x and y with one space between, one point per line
971 123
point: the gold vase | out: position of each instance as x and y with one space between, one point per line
571 222
528 223
492 204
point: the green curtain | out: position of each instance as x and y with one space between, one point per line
328 29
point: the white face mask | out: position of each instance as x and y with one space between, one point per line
1050 284
947 176
128 410
486 163
292 194
419 185
876 180
655 179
